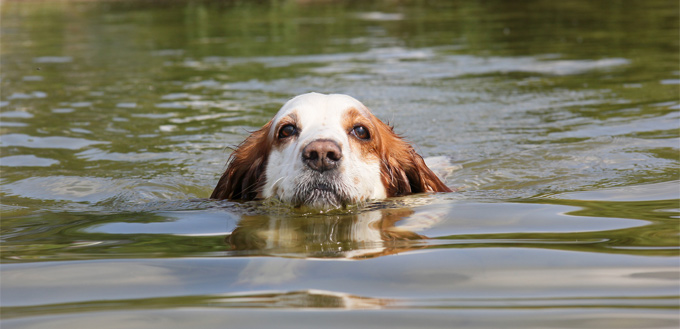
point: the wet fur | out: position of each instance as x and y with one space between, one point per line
402 170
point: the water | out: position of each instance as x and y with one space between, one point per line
556 121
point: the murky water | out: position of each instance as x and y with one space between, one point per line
556 120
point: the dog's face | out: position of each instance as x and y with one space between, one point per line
325 151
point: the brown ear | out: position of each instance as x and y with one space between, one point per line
403 170
245 172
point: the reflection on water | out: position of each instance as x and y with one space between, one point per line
363 235
557 121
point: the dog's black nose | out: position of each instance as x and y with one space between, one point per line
322 155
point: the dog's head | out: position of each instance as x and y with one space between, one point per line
325 151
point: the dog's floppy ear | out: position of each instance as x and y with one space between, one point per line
245 172
403 170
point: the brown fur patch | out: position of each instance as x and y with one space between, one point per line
245 174
403 170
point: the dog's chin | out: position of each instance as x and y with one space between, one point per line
320 199
320 192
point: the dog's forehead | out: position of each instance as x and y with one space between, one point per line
314 107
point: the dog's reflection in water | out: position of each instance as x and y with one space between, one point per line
360 235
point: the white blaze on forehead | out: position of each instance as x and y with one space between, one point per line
316 107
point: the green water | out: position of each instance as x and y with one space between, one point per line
557 121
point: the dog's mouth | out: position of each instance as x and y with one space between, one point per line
323 187
320 192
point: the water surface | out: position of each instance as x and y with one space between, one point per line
556 121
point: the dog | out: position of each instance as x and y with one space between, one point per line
325 151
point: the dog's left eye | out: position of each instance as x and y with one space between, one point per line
361 132
287 131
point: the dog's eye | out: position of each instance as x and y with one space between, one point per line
287 131
361 132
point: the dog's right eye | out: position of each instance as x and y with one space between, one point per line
287 131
